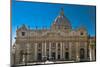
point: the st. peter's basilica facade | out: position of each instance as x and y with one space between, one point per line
59 43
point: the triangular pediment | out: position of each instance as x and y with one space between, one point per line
23 27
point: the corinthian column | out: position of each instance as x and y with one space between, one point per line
42 50
77 52
49 50
70 51
35 52
45 49
90 52
56 51
61 50
28 51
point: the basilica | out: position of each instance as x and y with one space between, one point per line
59 43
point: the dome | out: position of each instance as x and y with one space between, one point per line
61 22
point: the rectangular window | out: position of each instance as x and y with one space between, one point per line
23 33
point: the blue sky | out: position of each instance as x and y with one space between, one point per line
43 14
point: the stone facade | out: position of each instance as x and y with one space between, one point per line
58 43
92 48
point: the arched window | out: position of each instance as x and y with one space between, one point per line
39 56
53 55
21 55
53 45
39 45
58 44
59 56
82 53
81 33
66 55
